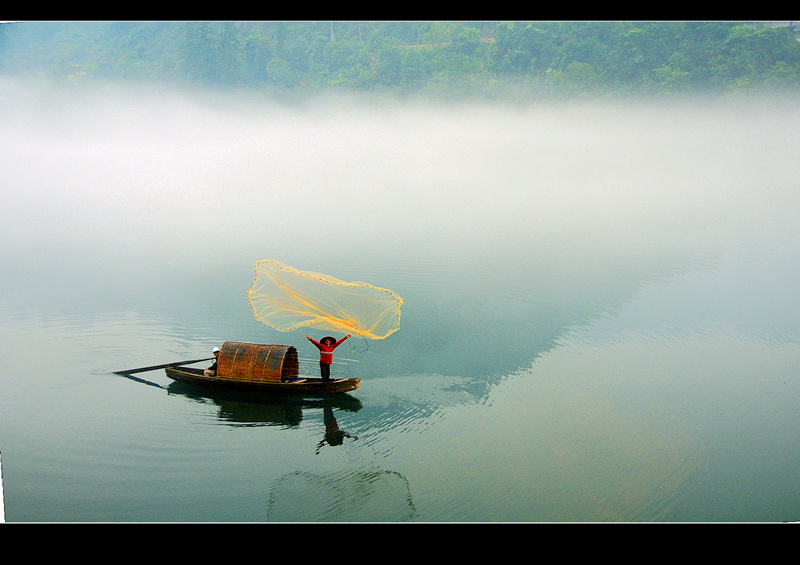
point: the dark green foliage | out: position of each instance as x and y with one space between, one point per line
554 58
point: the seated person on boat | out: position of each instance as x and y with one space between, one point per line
212 370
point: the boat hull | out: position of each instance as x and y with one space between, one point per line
306 386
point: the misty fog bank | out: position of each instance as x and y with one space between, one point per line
146 171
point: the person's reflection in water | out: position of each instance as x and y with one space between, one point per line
333 435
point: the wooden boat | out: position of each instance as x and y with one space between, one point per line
302 386
261 368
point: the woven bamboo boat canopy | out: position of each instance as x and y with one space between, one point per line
255 362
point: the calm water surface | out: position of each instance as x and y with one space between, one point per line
600 319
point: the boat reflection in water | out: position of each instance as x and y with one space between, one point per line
357 494
238 408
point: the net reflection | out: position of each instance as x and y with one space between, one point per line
373 495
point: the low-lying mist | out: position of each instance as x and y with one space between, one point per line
147 174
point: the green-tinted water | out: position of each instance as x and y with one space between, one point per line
600 320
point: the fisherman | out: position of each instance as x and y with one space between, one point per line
212 370
326 346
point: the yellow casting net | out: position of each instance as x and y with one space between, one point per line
286 299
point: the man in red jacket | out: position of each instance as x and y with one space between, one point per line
326 346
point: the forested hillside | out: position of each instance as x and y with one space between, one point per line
472 58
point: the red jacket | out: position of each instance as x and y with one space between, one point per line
326 351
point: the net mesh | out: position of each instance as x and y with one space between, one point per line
285 298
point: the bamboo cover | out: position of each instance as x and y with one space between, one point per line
254 362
